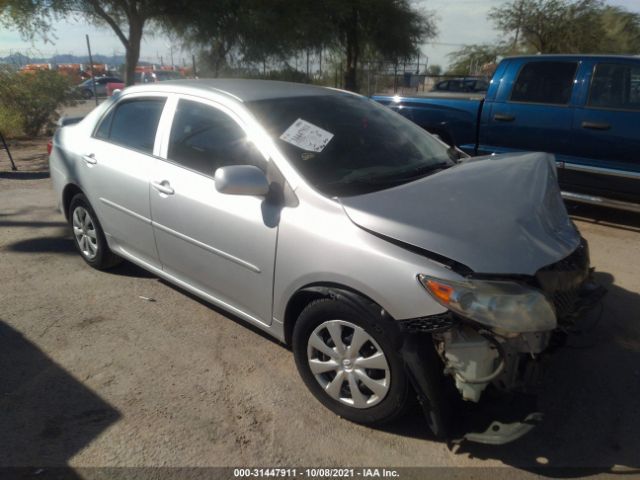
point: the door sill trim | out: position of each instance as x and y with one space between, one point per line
601 201
191 289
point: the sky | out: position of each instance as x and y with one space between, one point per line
459 22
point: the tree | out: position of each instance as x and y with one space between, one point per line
392 28
568 26
30 100
622 31
554 26
249 30
127 18
434 70
259 30
470 59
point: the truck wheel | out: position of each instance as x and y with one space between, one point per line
350 367
88 235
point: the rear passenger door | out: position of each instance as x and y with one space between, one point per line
533 112
114 172
606 131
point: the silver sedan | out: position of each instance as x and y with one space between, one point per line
392 265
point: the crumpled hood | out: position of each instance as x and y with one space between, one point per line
501 214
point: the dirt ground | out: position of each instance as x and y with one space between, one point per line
92 373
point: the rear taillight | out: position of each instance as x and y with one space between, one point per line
49 147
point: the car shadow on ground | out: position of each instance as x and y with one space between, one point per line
47 415
52 244
63 244
19 175
589 399
589 395
226 314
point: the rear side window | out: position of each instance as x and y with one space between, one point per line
545 82
615 86
204 138
132 123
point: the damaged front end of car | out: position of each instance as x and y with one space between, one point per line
494 336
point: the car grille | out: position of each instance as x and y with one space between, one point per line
565 302
562 281
430 324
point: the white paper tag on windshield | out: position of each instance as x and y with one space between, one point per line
307 136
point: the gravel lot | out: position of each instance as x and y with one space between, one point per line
92 374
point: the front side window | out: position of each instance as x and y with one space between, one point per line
348 145
204 138
545 82
133 123
615 86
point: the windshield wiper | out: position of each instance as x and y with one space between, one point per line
368 179
456 154
402 177
420 172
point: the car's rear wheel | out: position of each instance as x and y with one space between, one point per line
86 93
350 367
88 235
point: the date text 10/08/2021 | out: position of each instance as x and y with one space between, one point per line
316 472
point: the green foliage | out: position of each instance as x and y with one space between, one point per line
264 31
30 101
472 58
434 70
568 26
622 31
11 122
553 26
392 29
127 19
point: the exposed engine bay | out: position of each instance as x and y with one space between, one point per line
500 354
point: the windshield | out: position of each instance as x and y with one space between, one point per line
348 145
161 76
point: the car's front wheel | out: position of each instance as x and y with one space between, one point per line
348 364
88 235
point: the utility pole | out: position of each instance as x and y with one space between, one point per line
515 41
93 77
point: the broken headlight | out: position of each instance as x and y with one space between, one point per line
504 305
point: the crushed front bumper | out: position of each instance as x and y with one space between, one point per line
507 416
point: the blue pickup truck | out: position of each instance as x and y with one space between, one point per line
584 109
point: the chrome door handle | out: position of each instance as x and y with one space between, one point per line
596 125
163 187
501 117
90 158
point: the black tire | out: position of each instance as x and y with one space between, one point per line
104 258
87 94
397 398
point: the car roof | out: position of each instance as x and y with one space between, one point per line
244 90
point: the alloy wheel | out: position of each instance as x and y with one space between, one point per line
84 231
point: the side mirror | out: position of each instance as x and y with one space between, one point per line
241 180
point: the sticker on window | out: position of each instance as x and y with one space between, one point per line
307 136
